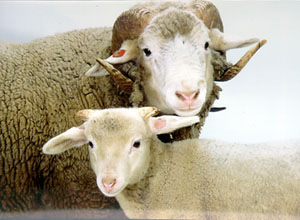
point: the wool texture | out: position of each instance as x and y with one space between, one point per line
42 87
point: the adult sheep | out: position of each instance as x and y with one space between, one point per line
190 179
174 45
42 87
179 49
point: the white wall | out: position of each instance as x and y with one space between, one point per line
262 102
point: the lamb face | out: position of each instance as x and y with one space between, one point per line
119 153
119 142
118 146
177 62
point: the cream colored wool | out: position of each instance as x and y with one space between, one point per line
208 179
42 87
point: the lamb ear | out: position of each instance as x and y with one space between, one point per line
74 137
223 42
167 124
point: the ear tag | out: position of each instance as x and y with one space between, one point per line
160 123
119 53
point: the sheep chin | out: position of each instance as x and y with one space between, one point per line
187 112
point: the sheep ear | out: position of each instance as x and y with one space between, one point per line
97 70
74 137
128 51
223 42
166 124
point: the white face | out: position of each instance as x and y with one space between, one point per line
180 72
119 142
174 53
119 156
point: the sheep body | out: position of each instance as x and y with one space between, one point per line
42 85
199 178
190 179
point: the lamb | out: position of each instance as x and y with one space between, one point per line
42 87
190 179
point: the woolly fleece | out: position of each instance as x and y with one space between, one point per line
42 87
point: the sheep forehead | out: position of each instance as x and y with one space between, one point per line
112 123
171 23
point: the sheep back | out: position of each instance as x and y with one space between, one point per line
198 179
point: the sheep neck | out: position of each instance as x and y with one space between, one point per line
137 193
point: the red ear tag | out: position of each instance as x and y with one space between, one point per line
119 53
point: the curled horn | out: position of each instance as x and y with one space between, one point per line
128 26
235 69
147 112
208 13
125 83
131 23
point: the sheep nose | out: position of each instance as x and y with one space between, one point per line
108 183
187 97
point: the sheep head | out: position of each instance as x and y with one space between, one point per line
117 162
172 43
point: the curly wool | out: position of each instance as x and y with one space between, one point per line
42 87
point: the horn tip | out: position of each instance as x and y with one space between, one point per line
263 42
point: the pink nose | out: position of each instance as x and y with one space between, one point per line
108 183
187 97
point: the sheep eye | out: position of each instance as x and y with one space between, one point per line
206 45
136 144
147 52
91 144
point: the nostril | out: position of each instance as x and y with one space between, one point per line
196 94
108 182
180 96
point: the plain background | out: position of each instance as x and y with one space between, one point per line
262 101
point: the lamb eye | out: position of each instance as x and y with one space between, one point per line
91 144
136 144
206 45
147 52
